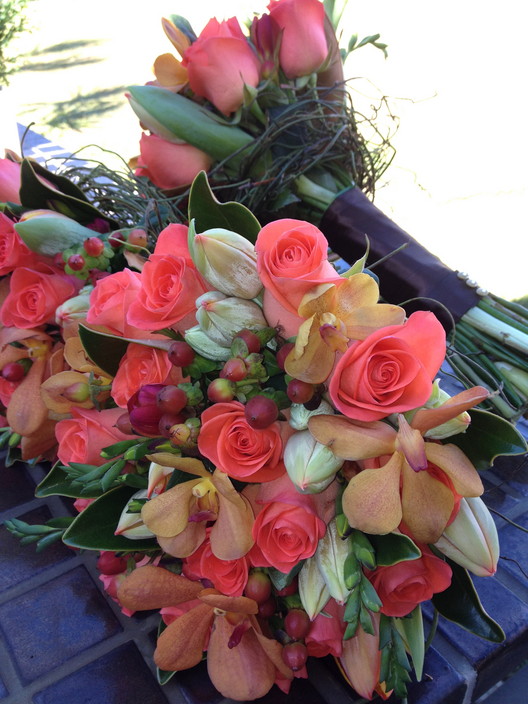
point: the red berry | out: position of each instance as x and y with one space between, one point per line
171 399
123 424
290 589
252 341
221 390
258 587
76 262
267 608
109 563
295 655
116 239
299 391
234 369
93 246
13 371
283 353
180 353
297 624
261 412
167 421
137 237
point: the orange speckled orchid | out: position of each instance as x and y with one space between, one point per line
169 72
242 662
178 516
334 315
416 481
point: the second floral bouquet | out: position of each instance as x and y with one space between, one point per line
257 446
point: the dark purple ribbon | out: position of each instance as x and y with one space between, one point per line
413 272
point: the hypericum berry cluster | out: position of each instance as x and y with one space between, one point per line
93 255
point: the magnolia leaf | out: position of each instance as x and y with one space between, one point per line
208 212
59 483
93 529
487 438
411 630
58 194
280 580
393 548
104 350
460 603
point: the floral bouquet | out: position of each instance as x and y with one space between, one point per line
256 446
269 115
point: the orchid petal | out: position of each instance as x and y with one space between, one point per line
243 673
187 464
176 37
362 322
318 300
26 411
353 440
182 643
273 650
427 418
361 660
371 501
427 504
152 587
231 536
236 604
169 72
311 360
411 443
186 542
357 291
167 515
451 460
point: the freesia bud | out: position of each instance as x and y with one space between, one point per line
74 308
300 415
310 465
313 591
204 346
471 540
130 523
330 556
228 261
221 317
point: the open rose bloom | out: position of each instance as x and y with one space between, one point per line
259 444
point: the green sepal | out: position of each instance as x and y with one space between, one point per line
363 550
59 483
93 528
393 548
489 436
117 449
460 603
368 594
105 351
280 580
411 630
208 212
67 199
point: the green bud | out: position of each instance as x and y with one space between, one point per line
310 465
221 317
331 553
312 588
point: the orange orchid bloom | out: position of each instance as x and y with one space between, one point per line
169 72
417 482
242 662
334 315
178 517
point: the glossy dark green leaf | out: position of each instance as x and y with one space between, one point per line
208 213
393 548
460 603
93 529
280 580
106 351
58 483
65 197
489 436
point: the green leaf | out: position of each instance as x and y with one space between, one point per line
412 631
67 199
208 212
280 580
460 603
393 548
59 483
489 437
104 350
118 448
93 528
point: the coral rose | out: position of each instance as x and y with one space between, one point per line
403 586
13 251
292 258
35 294
9 181
228 576
391 371
326 634
142 365
169 165
220 62
303 47
236 448
82 437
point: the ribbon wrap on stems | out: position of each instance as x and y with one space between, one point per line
413 272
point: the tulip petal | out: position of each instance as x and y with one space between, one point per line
371 501
353 440
450 459
231 536
244 672
152 587
427 504
427 418
167 514
182 643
